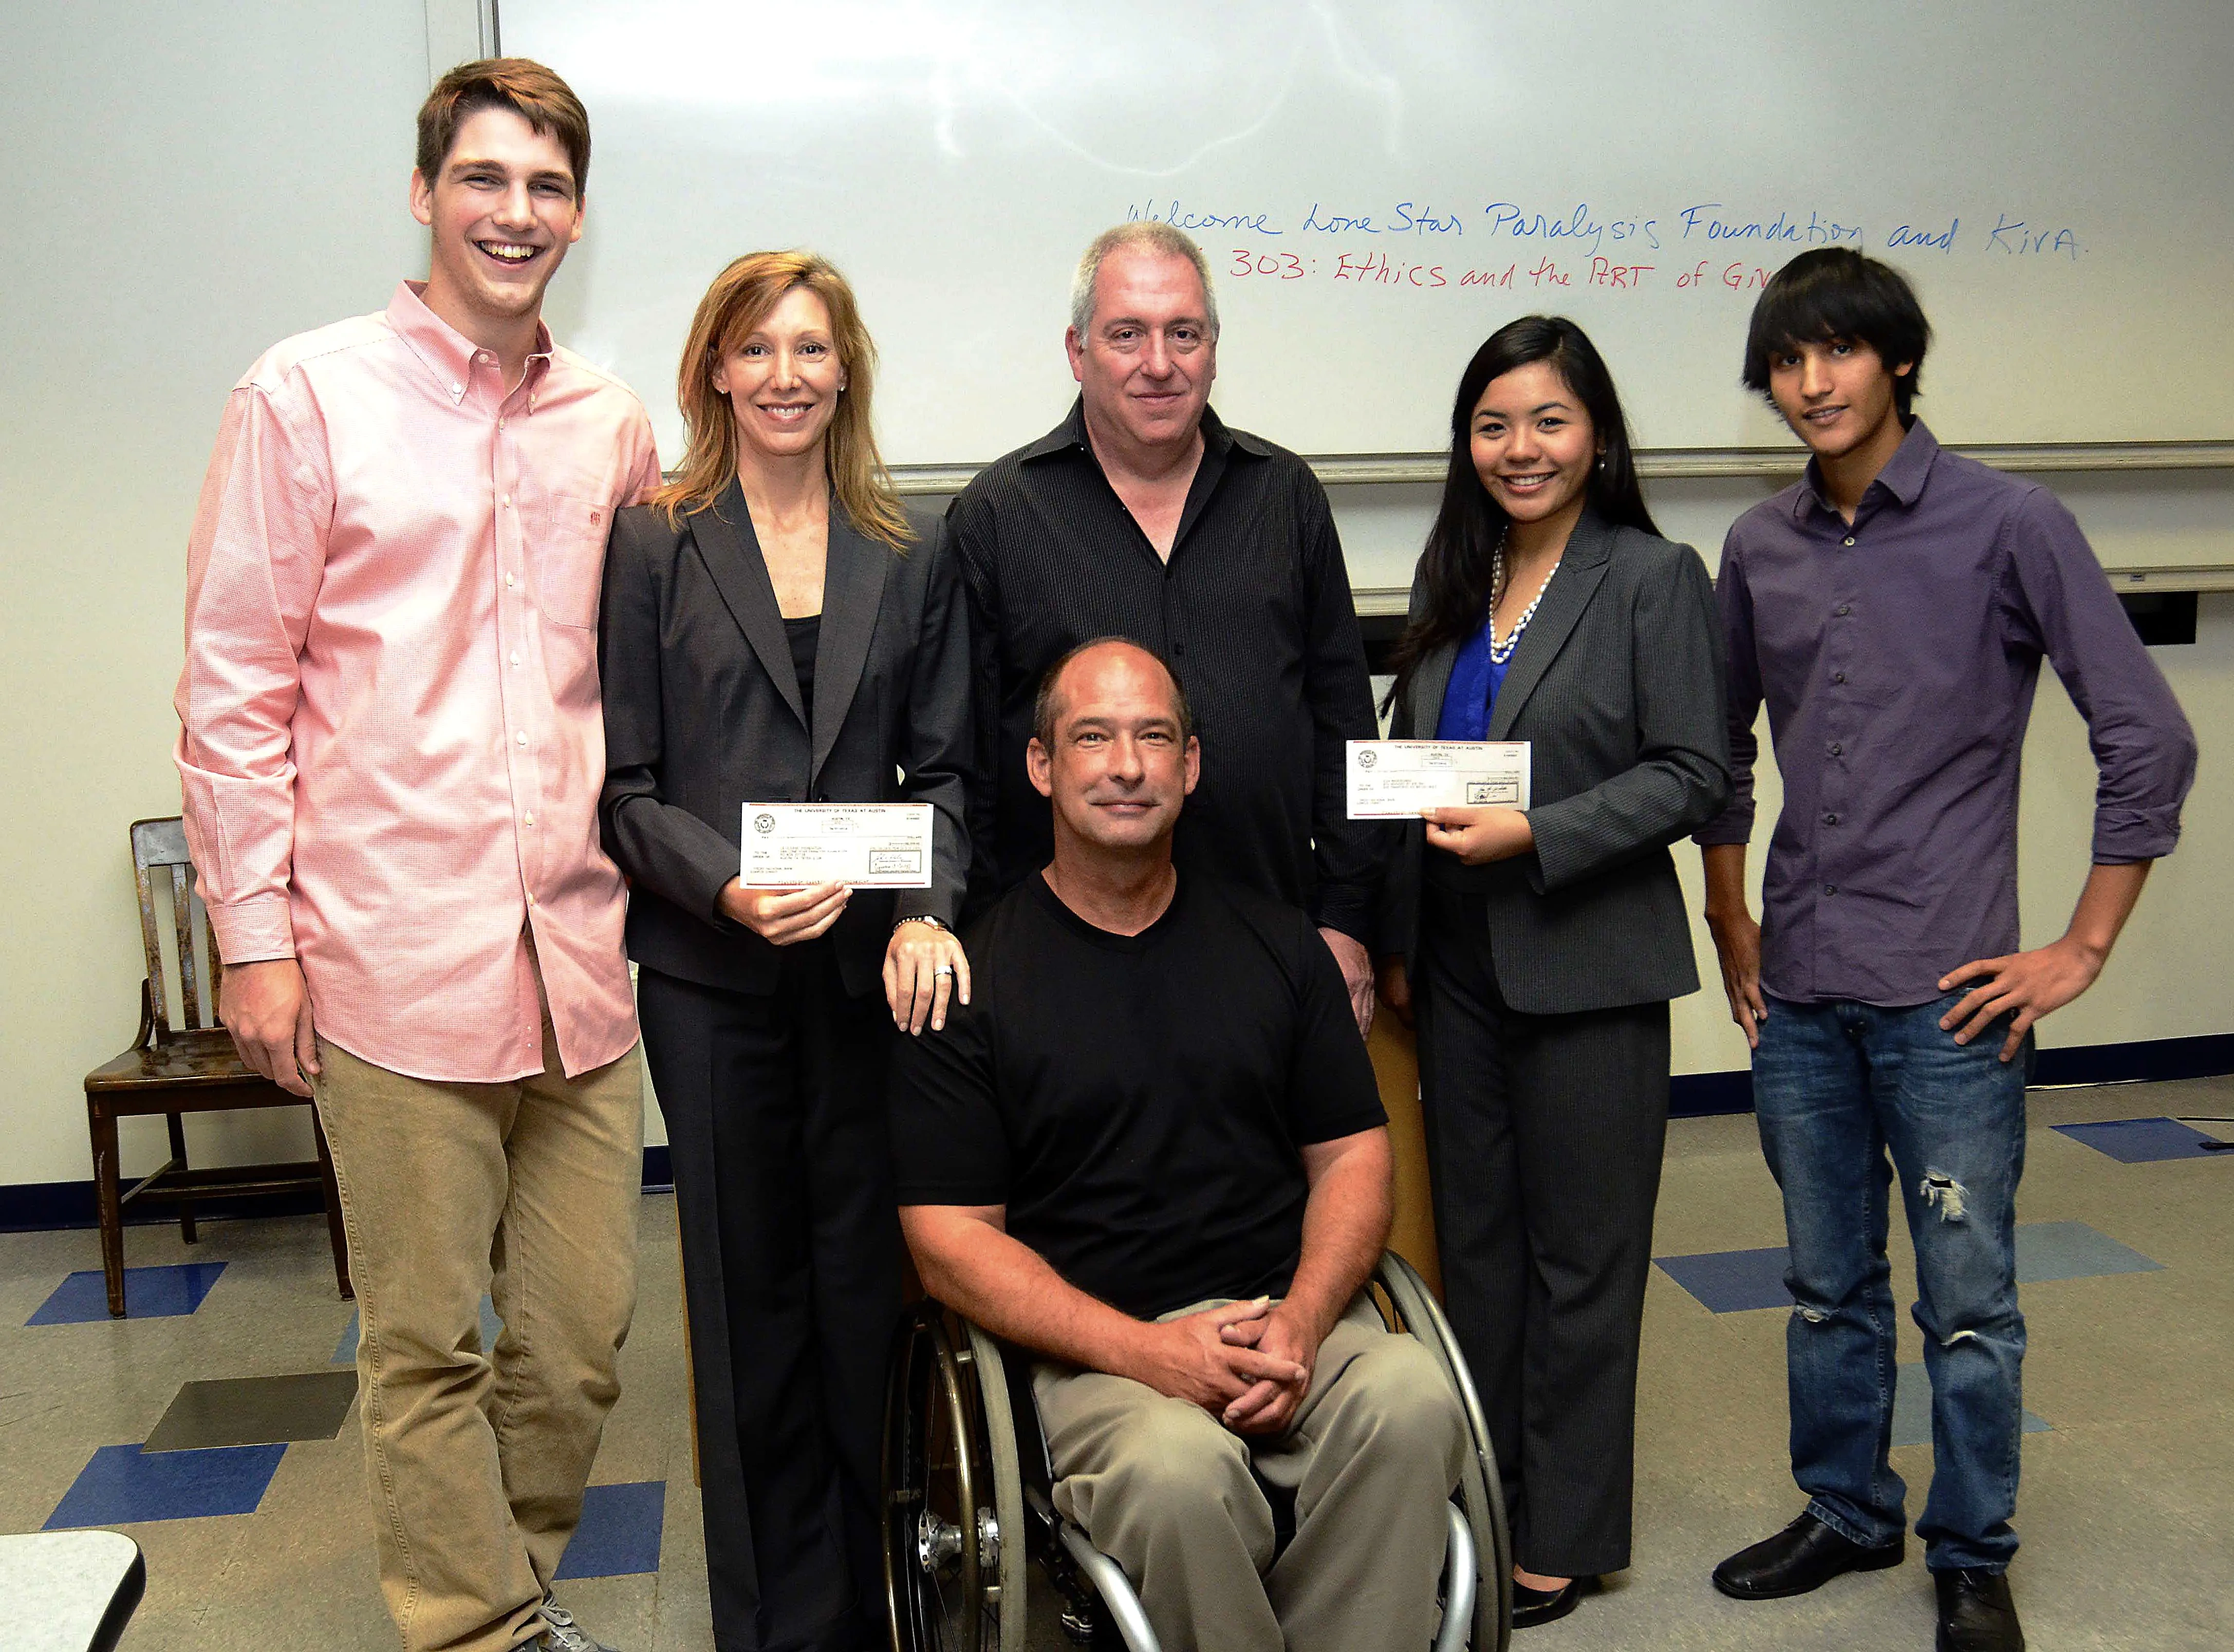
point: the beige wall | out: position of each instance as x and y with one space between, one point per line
187 185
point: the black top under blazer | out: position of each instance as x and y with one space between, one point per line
1617 684
703 715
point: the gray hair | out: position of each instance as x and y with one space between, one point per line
1150 235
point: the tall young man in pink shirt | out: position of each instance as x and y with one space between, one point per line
392 751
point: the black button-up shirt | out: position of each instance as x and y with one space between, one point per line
1252 610
1898 655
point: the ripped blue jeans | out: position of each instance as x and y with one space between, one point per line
1851 1098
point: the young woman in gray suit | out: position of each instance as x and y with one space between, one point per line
1539 948
777 628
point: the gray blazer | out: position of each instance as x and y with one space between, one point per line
703 715
1617 686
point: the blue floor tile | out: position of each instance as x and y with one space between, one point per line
619 1533
345 1351
149 1293
2143 1141
122 1485
1736 1282
2073 1250
1731 1282
1911 1408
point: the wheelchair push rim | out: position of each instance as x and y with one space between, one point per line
942 1532
1480 1492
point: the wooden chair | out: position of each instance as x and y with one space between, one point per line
175 1071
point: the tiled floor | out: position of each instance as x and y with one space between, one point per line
1736 1282
215 1427
2128 1494
268 1545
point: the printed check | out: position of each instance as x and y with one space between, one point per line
1396 779
868 845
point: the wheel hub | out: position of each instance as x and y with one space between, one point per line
937 1543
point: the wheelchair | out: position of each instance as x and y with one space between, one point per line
969 1513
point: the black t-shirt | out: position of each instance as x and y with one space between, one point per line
1137 1102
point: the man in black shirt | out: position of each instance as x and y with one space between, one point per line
1151 1149
1142 515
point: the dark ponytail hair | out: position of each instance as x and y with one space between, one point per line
1461 546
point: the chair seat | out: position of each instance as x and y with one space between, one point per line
199 1058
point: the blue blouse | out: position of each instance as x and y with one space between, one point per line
1475 679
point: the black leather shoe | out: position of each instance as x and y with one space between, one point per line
1975 1613
1533 1606
1805 1555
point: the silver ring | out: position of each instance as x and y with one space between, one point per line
943 969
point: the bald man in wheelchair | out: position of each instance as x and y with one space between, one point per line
1150 1150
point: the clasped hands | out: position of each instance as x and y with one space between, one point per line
925 967
1247 1364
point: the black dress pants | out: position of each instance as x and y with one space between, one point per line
776 1115
1545 1137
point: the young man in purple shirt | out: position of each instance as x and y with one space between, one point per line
1892 607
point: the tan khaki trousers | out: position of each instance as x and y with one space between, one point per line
477 1460
1164 1489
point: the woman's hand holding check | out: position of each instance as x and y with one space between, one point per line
1480 836
783 917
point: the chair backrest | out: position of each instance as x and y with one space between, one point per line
166 878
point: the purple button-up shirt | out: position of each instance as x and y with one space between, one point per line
1898 656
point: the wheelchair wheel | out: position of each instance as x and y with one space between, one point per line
1408 1305
952 1582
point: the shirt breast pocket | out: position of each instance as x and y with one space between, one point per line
566 558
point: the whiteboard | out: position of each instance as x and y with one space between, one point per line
1380 183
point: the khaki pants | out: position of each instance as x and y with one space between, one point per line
477 1459
1164 1489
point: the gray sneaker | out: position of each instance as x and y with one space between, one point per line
561 1634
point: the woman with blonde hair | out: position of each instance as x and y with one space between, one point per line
778 629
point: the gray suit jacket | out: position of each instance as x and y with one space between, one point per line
1617 686
703 715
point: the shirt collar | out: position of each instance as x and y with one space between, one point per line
1217 438
1903 477
449 354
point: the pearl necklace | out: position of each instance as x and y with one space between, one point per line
1499 653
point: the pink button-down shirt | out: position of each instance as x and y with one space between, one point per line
391 744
